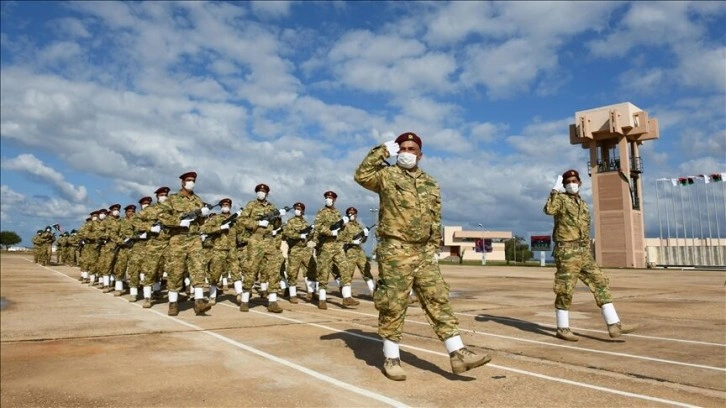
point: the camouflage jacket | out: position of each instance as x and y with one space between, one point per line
217 238
171 210
124 231
326 217
145 219
572 217
291 232
251 214
352 229
409 201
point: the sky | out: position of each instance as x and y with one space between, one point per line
104 102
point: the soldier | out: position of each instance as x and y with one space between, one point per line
221 238
61 248
37 241
297 233
260 217
328 224
124 240
353 237
137 251
573 257
182 214
409 234
73 244
86 244
107 251
147 220
47 237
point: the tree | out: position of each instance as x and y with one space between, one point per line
9 238
517 250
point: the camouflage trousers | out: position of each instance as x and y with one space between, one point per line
153 260
135 262
237 272
403 266
332 255
44 255
89 258
106 257
121 264
573 264
262 261
300 257
356 257
184 256
221 262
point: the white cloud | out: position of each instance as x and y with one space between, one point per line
29 164
274 9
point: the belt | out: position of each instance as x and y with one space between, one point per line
572 244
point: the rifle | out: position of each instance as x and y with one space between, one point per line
193 215
338 224
307 229
357 236
270 216
232 219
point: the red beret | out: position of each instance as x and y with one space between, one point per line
188 174
225 200
88 219
102 211
115 207
262 187
351 210
130 207
409 136
145 199
162 190
571 173
299 205
330 194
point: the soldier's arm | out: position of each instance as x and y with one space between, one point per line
554 203
435 237
166 213
368 172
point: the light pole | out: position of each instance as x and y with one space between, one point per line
483 248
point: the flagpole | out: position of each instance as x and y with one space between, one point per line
687 254
676 249
693 224
660 226
711 254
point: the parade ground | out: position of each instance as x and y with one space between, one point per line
65 344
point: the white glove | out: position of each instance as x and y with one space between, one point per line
334 232
203 237
263 223
282 212
239 212
303 236
274 232
558 185
155 229
311 244
366 231
392 148
142 236
346 220
436 259
224 226
185 223
356 242
205 211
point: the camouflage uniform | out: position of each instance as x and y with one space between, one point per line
87 246
261 257
36 246
107 250
330 251
62 248
299 254
572 251
354 253
124 239
46 247
148 257
409 234
73 244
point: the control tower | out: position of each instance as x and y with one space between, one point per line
613 135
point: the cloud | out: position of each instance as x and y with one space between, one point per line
29 164
273 9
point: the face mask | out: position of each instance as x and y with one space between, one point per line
572 188
328 202
144 206
298 213
101 216
352 217
115 213
189 185
261 195
406 160
162 198
225 210
94 218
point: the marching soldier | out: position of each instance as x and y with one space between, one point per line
124 240
296 233
353 237
150 267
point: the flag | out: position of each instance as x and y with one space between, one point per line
57 227
717 177
685 181
674 182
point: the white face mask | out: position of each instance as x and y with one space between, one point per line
101 216
261 195
406 160
225 210
328 202
189 185
115 213
351 217
572 188
94 218
162 198
298 213
144 206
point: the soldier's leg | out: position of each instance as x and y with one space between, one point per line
119 271
273 263
568 265
346 278
217 266
250 268
325 267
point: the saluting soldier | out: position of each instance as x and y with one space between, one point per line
409 235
